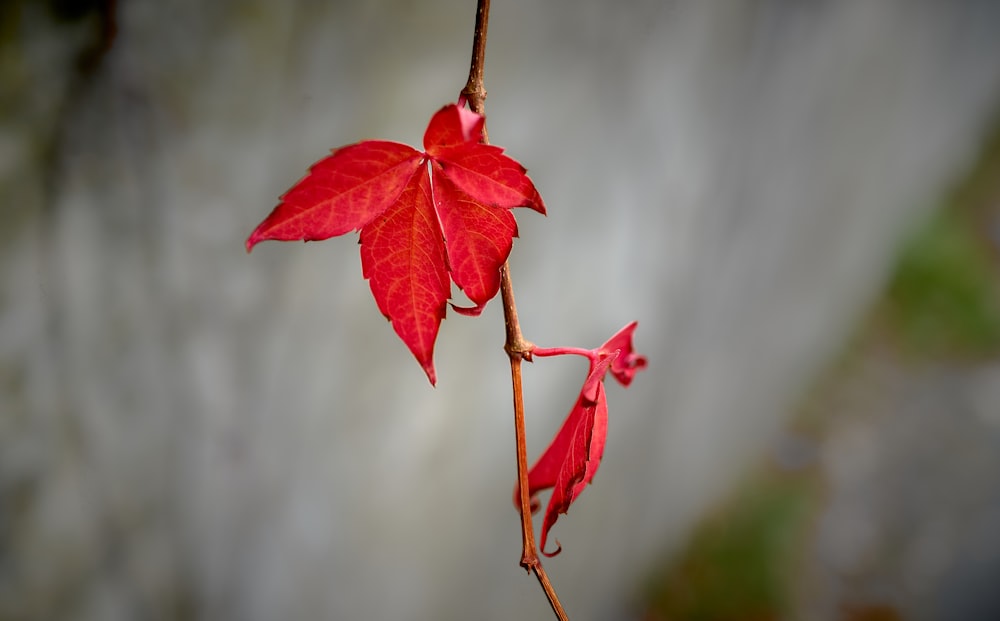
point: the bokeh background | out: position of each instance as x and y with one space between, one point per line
799 202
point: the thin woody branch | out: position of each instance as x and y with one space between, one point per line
516 346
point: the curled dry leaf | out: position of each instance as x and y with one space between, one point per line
570 462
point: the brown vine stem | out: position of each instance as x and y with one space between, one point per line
516 346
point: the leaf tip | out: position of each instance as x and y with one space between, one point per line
252 241
554 552
468 311
537 204
431 374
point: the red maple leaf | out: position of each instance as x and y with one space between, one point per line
569 463
426 219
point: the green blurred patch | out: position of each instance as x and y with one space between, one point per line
740 563
944 298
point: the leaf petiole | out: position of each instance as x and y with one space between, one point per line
564 351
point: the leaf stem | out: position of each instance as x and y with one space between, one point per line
475 90
516 346
562 351
519 349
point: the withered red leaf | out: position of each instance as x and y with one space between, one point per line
570 462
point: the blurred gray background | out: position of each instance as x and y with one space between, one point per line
190 432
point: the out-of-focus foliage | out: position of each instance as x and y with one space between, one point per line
944 297
739 564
